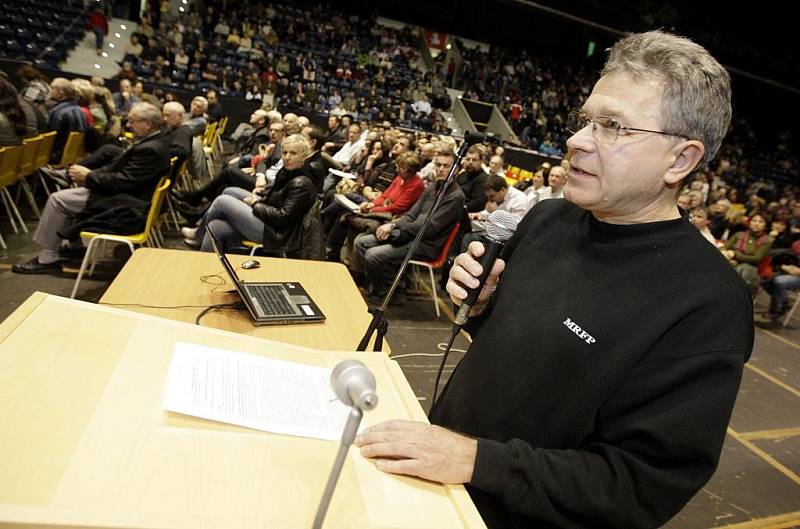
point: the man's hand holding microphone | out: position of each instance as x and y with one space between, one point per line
466 272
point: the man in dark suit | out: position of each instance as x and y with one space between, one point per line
135 172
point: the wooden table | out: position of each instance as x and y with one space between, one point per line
167 278
86 442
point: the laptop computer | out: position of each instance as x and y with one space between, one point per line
271 303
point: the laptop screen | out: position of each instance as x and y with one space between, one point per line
226 264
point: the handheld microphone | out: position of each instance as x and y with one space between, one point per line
500 227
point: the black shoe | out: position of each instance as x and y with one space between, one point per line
35 267
72 254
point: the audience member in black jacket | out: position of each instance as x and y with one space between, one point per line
135 171
593 394
318 163
472 179
276 219
232 174
178 135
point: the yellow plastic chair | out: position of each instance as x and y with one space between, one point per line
45 150
252 245
27 166
208 135
210 140
131 240
9 175
223 124
72 148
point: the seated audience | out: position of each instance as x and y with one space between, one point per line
124 99
274 218
785 280
699 217
381 254
398 198
746 249
499 195
65 117
12 117
133 172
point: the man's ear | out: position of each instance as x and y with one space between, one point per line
687 155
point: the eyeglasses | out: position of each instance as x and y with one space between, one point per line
605 130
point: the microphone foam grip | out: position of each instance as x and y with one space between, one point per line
500 227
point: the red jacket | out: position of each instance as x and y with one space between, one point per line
98 20
399 196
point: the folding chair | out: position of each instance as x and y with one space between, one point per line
27 166
140 238
252 245
790 312
436 264
68 156
9 174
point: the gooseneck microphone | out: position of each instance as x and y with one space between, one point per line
354 385
500 227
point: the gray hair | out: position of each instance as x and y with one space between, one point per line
149 113
696 102
175 108
203 102
274 116
64 86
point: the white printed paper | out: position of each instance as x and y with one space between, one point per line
253 391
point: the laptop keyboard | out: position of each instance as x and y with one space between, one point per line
272 300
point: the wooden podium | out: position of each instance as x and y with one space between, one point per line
86 442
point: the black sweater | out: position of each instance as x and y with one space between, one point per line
602 378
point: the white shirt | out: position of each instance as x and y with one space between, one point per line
515 203
546 193
534 195
422 106
272 172
705 232
428 172
348 151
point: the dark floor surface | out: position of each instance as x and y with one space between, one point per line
757 484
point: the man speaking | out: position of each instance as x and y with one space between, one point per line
609 345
